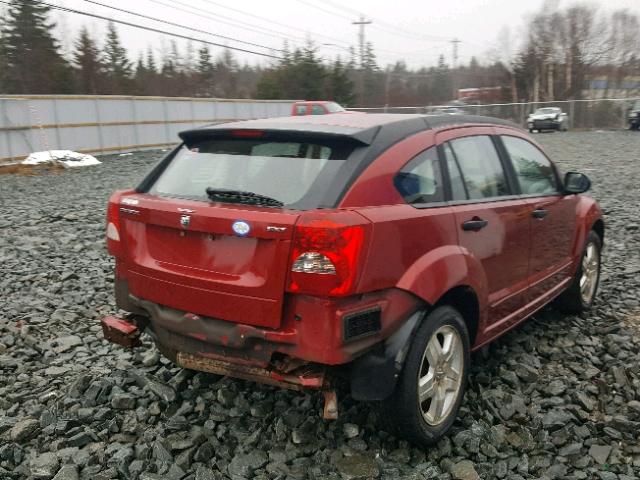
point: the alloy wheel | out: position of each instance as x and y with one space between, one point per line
440 375
590 273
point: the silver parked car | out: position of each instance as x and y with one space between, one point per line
548 118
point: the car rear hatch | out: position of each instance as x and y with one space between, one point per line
187 256
213 254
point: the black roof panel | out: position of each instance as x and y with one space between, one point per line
360 126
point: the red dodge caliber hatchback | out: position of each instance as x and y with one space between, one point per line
380 248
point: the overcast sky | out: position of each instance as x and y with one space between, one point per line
417 31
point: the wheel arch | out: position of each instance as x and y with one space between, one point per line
450 275
464 299
598 227
462 284
589 218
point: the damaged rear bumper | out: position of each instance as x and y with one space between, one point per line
290 374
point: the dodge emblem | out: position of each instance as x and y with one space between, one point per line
185 220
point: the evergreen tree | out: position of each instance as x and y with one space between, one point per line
4 67
116 63
174 57
339 88
371 84
189 62
141 77
151 83
205 71
151 62
302 75
226 75
442 86
369 63
33 60
89 69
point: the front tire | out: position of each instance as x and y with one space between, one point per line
581 294
431 386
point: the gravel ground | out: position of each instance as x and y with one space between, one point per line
559 397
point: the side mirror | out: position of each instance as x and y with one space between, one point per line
575 182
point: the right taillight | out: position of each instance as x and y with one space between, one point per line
327 253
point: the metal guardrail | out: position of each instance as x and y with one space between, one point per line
113 123
583 114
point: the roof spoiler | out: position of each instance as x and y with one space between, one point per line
307 132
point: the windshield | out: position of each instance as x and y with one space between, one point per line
547 110
333 107
286 171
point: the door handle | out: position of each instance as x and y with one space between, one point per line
539 213
474 224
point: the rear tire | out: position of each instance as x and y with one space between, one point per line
581 294
431 386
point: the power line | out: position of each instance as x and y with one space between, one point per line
151 29
379 24
342 7
181 26
387 26
236 22
227 20
383 50
275 22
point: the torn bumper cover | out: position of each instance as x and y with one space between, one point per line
307 376
291 374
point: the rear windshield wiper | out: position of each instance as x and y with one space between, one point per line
225 195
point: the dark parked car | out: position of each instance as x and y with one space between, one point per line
382 248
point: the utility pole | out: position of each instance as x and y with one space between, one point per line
361 24
454 43
454 65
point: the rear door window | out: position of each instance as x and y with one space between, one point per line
534 170
481 168
295 173
458 191
420 180
301 109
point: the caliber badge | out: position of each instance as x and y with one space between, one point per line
185 220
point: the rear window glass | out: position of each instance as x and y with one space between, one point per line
296 173
333 107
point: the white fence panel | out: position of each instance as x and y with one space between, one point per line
103 124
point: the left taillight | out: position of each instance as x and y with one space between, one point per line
327 254
114 230
113 222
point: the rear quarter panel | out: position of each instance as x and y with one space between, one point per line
415 249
